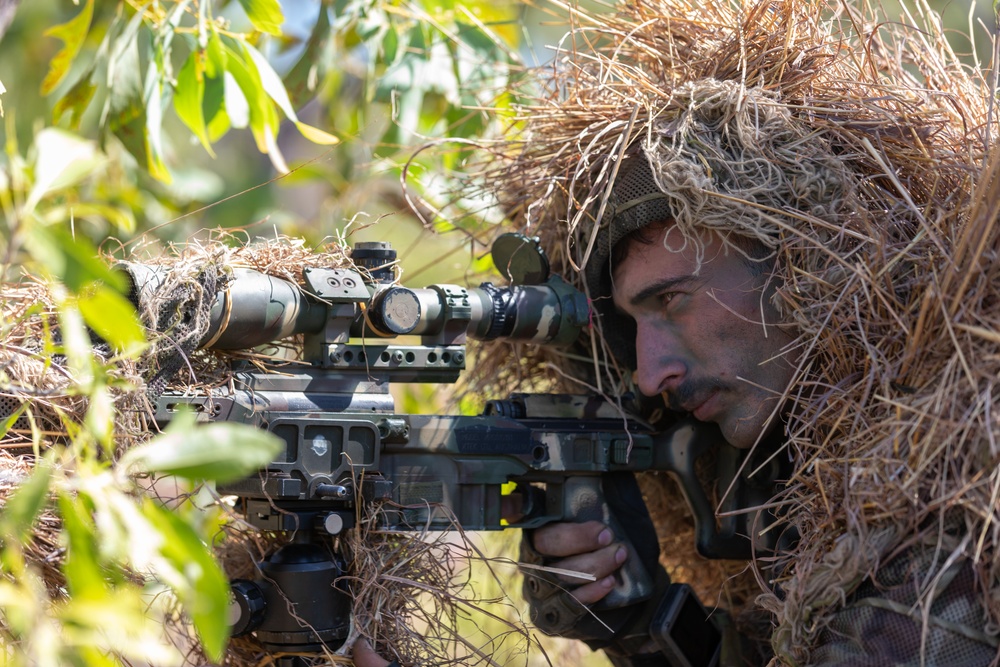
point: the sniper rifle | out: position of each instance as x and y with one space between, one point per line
569 457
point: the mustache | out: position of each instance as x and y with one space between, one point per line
692 393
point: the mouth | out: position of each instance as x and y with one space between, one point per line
704 410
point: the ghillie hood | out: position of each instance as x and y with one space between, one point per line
854 146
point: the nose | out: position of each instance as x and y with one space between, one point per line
659 366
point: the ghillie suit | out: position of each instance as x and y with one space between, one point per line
856 151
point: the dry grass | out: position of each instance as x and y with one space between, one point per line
858 148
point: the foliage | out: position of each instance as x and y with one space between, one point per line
141 117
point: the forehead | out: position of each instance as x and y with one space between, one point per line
661 254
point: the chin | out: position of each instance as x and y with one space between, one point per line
741 435
744 433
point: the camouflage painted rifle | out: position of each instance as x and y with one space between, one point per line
345 444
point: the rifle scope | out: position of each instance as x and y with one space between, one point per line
255 309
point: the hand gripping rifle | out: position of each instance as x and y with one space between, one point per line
345 445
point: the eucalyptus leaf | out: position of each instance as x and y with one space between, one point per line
84 574
153 107
125 93
308 73
62 160
235 102
189 95
270 81
73 34
8 422
316 135
74 261
75 102
265 15
217 451
24 505
205 588
112 317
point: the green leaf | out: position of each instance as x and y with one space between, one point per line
153 126
84 575
125 94
275 89
309 72
75 102
205 588
100 418
213 108
7 423
215 60
263 116
237 108
390 45
189 95
270 81
316 135
73 261
220 451
112 317
120 218
73 34
265 15
62 160
26 503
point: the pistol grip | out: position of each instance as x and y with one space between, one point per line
615 500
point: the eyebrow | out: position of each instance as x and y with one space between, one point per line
660 286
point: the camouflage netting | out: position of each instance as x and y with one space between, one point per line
412 591
855 147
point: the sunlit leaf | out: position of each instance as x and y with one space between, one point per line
73 261
309 72
270 81
121 218
100 418
120 622
63 159
215 55
236 103
7 423
75 101
265 15
154 118
79 351
73 33
125 94
84 575
220 451
189 95
24 505
263 118
205 591
112 317
316 135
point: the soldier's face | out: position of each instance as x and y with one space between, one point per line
706 334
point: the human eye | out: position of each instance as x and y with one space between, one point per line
666 298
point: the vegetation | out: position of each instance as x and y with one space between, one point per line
128 125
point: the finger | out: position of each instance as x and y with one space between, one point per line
569 539
365 656
594 591
600 563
